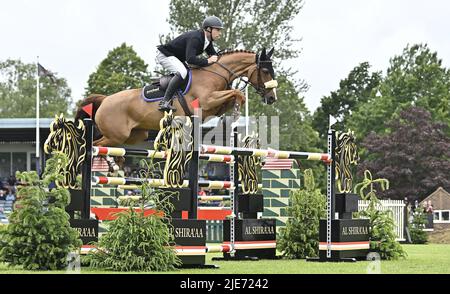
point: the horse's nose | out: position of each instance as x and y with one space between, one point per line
271 99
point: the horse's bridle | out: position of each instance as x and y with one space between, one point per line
261 90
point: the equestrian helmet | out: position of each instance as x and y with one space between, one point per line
213 22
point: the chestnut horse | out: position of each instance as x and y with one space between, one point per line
125 118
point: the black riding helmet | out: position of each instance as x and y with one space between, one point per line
212 22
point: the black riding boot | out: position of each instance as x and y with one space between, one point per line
174 85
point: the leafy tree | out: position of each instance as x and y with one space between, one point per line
414 157
135 242
249 24
418 235
39 235
121 69
381 223
357 88
415 78
18 92
300 238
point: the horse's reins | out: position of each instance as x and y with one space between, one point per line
260 90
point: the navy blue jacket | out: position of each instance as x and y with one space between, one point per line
187 47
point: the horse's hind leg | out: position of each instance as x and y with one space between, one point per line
104 142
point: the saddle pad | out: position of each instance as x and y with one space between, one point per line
153 92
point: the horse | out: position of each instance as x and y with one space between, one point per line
125 118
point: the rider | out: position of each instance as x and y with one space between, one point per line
186 48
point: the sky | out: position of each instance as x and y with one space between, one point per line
71 37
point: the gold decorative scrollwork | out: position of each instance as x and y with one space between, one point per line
346 154
247 166
176 140
68 137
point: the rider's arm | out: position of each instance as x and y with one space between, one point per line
191 56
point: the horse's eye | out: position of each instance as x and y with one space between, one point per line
265 70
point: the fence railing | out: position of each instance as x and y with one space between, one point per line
398 214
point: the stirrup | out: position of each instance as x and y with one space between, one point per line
166 106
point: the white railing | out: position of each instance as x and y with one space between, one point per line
397 207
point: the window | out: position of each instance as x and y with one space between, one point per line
442 216
436 216
19 162
5 165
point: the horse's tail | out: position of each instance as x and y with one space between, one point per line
96 100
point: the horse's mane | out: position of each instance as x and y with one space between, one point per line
232 51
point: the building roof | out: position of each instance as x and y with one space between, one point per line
24 123
441 196
23 130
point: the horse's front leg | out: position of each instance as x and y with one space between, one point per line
217 99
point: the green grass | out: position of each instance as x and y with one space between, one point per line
429 259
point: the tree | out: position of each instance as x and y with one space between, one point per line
300 238
357 88
414 156
18 92
135 242
415 78
251 24
39 235
381 223
121 69
417 226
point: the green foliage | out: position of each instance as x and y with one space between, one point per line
18 92
414 156
300 238
39 236
249 24
381 223
418 235
415 78
135 242
121 69
368 182
357 88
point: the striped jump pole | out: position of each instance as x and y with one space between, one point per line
226 246
217 158
116 151
129 181
214 198
138 187
271 153
218 248
134 182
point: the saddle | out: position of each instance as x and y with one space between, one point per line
156 90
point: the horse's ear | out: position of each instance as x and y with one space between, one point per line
263 53
269 55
